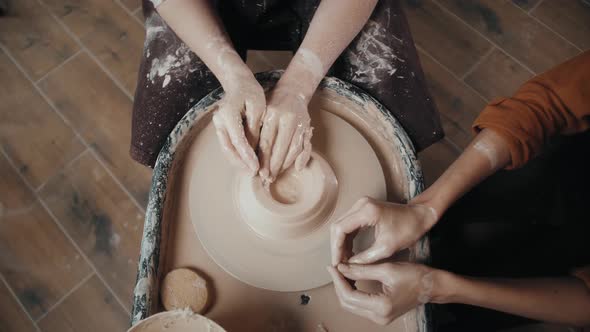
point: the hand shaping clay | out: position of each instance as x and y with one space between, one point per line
278 238
341 121
184 288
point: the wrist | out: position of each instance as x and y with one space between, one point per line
234 80
304 73
296 85
428 215
446 287
431 201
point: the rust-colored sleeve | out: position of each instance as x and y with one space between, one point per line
556 102
583 274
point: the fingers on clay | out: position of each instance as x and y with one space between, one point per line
254 113
237 136
363 272
355 207
282 144
343 228
304 156
226 144
295 148
356 301
338 240
267 139
374 253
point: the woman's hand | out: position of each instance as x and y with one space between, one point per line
286 133
397 226
197 24
404 286
238 119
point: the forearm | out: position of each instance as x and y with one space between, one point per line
559 300
333 27
486 154
197 24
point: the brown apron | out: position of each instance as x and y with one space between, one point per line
381 60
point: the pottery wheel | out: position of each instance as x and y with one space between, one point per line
279 239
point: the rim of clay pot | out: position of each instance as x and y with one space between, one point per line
272 215
168 319
146 293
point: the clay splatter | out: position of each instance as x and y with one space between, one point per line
157 2
171 65
175 63
372 58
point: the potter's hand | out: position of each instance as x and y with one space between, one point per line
196 23
397 226
238 120
286 134
404 286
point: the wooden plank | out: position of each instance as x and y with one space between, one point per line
498 76
526 4
516 32
102 115
12 317
34 38
35 138
89 308
458 104
111 34
132 5
570 18
39 263
455 133
435 160
101 219
139 15
444 37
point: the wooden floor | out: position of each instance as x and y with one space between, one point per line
72 201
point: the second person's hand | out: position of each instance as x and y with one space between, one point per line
396 227
403 287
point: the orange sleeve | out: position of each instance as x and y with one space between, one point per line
583 274
556 102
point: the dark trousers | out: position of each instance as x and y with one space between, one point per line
529 222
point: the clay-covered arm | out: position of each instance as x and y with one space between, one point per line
558 300
485 155
510 133
513 130
286 134
199 27
553 103
334 25
196 23
398 226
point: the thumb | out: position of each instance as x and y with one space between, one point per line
377 272
372 254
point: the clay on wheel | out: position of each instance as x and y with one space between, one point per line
184 288
278 239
